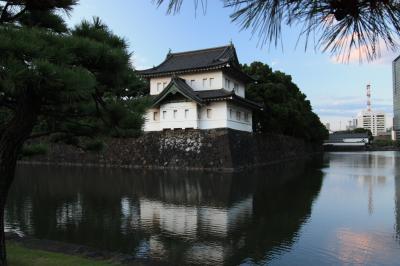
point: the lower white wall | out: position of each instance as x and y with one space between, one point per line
179 121
149 123
167 120
242 124
217 118
220 116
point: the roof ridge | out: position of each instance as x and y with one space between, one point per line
213 90
218 58
201 50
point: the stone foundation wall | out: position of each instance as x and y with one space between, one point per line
219 149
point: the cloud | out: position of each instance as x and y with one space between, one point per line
359 54
338 105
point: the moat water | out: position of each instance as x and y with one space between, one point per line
342 209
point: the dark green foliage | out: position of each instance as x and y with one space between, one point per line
286 109
43 19
85 80
385 143
34 149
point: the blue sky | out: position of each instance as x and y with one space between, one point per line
336 90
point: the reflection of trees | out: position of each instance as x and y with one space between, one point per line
281 205
178 216
79 205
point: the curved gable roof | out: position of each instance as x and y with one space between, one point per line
212 58
177 85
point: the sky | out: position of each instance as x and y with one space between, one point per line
336 90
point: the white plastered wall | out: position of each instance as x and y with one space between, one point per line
172 116
240 86
216 118
150 123
239 124
200 81
190 115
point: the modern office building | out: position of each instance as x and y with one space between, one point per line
375 121
396 97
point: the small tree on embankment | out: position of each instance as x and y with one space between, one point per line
55 80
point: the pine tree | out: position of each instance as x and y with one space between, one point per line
55 80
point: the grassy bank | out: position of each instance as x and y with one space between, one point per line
20 256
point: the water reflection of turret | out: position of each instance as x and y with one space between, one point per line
279 204
178 217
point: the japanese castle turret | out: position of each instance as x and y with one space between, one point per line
202 89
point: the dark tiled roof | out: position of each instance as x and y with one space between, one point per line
202 97
209 94
216 95
194 60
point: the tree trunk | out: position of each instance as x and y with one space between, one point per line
12 138
3 259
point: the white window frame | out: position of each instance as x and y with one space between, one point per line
211 82
164 114
227 83
246 117
186 113
155 116
236 87
208 112
175 114
238 115
204 82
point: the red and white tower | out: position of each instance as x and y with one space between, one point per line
369 97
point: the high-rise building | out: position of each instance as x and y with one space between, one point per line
375 121
396 97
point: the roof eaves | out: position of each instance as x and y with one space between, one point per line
200 50
182 71
248 102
